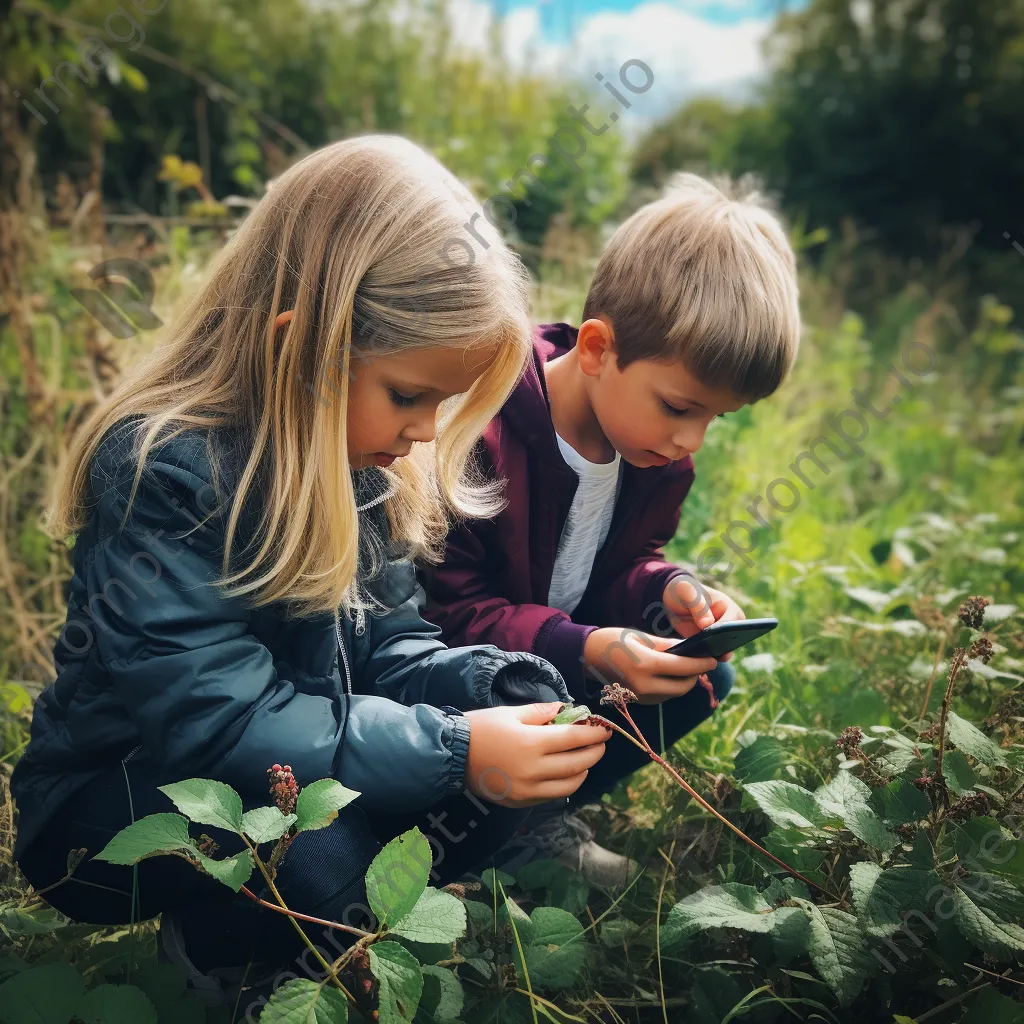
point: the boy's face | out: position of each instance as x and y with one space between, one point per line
654 411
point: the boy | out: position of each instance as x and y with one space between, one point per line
692 313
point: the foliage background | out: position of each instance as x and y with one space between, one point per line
889 136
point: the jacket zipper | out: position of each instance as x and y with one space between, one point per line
343 654
131 754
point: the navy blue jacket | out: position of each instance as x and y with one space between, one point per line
155 661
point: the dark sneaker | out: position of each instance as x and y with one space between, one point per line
553 833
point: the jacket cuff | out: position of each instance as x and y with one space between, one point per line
458 743
561 641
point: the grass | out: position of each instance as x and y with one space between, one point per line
859 573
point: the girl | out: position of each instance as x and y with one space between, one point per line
263 470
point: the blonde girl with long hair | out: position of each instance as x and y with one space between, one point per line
246 507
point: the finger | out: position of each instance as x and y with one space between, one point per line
662 689
726 611
558 738
553 789
537 714
660 663
691 596
566 764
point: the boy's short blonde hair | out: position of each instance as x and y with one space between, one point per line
706 278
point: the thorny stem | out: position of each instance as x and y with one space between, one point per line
959 657
654 756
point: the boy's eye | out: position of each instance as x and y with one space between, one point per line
402 401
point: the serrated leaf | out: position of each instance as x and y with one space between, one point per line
982 915
17 922
234 872
787 804
868 828
555 953
42 995
730 905
982 844
958 772
443 998
842 794
301 1001
436 917
153 834
398 876
900 803
761 760
319 802
116 1004
266 824
882 899
837 949
207 801
401 983
971 740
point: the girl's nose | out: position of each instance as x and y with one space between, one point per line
423 429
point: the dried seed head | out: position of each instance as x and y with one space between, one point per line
617 695
972 611
849 740
981 649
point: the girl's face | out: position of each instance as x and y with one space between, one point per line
393 399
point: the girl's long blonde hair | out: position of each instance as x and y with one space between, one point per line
378 249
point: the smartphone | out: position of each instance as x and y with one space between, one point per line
723 637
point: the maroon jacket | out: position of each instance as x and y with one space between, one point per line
493 585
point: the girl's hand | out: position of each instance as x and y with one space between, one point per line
516 759
638 660
692 607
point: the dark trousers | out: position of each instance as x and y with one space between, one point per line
322 873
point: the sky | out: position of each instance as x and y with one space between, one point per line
692 46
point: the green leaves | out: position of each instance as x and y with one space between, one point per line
552 948
981 912
266 824
401 983
899 803
836 948
319 802
301 1001
787 804
116 1004
156 833
971 740
883 899
436 917
42 995
234 872
847 798
398 876
443 998
761 760
571 713
730 905
207 802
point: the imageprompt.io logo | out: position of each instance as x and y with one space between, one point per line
121 302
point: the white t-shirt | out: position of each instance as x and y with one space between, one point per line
586 529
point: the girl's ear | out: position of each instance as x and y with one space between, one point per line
283 318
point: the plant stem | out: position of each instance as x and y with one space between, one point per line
959 657
935 671
653 755
295 924
245 891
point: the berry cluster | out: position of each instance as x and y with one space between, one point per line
969 807
972 611
925 782
617 695
283 788
981 649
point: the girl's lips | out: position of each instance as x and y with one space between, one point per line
383 459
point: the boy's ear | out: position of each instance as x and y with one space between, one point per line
595 345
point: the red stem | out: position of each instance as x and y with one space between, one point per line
711 810
302 917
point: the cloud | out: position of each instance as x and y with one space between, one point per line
688 53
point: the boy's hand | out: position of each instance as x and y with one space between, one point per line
692 607
638 660
516 759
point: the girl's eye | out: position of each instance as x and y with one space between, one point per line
673 411
402 401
